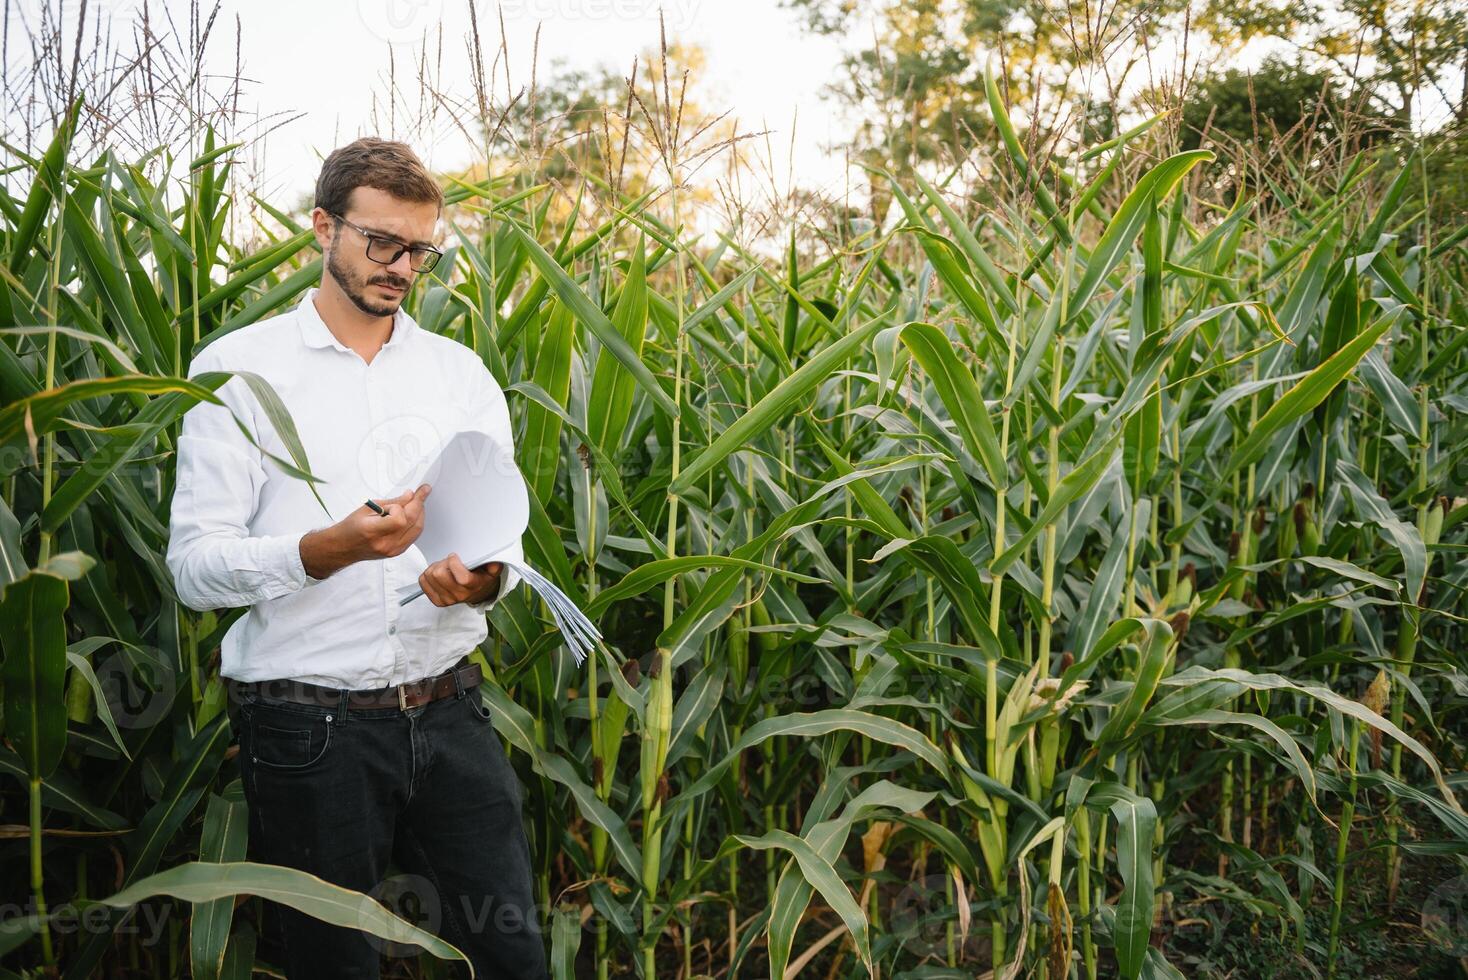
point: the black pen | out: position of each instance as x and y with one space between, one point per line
374 505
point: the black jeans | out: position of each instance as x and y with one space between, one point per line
429 789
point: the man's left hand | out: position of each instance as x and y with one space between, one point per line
447 581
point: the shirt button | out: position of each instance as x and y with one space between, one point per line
393 629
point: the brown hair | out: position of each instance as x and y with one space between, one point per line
371 162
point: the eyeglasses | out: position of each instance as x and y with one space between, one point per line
386 251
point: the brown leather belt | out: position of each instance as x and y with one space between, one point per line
461 678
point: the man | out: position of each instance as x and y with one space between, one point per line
363 738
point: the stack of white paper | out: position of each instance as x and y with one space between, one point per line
479 508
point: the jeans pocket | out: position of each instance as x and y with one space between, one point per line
287 739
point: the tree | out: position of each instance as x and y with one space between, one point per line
917 92
1279 99
594 130
1402 55
916 95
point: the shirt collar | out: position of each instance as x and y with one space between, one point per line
315 332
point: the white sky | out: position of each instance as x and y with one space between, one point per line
327 58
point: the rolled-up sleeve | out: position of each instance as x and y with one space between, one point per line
490 413
215 562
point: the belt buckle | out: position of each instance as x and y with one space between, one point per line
402 697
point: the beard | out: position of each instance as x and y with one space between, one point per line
355 287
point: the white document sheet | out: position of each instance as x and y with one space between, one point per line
479 508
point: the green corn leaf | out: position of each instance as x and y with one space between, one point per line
823 877
46 188
223 841
540 448
612 386
33 637
960 394
204 881
1302 398
1071 487
595 320
772 408
1129 220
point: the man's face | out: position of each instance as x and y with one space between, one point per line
375 289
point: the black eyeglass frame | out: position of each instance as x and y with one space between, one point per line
431 254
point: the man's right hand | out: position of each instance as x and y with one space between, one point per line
371 535
365 535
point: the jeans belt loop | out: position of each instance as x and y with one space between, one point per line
341 711
458 684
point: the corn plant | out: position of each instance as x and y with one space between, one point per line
1041 539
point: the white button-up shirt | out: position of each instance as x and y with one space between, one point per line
237 518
